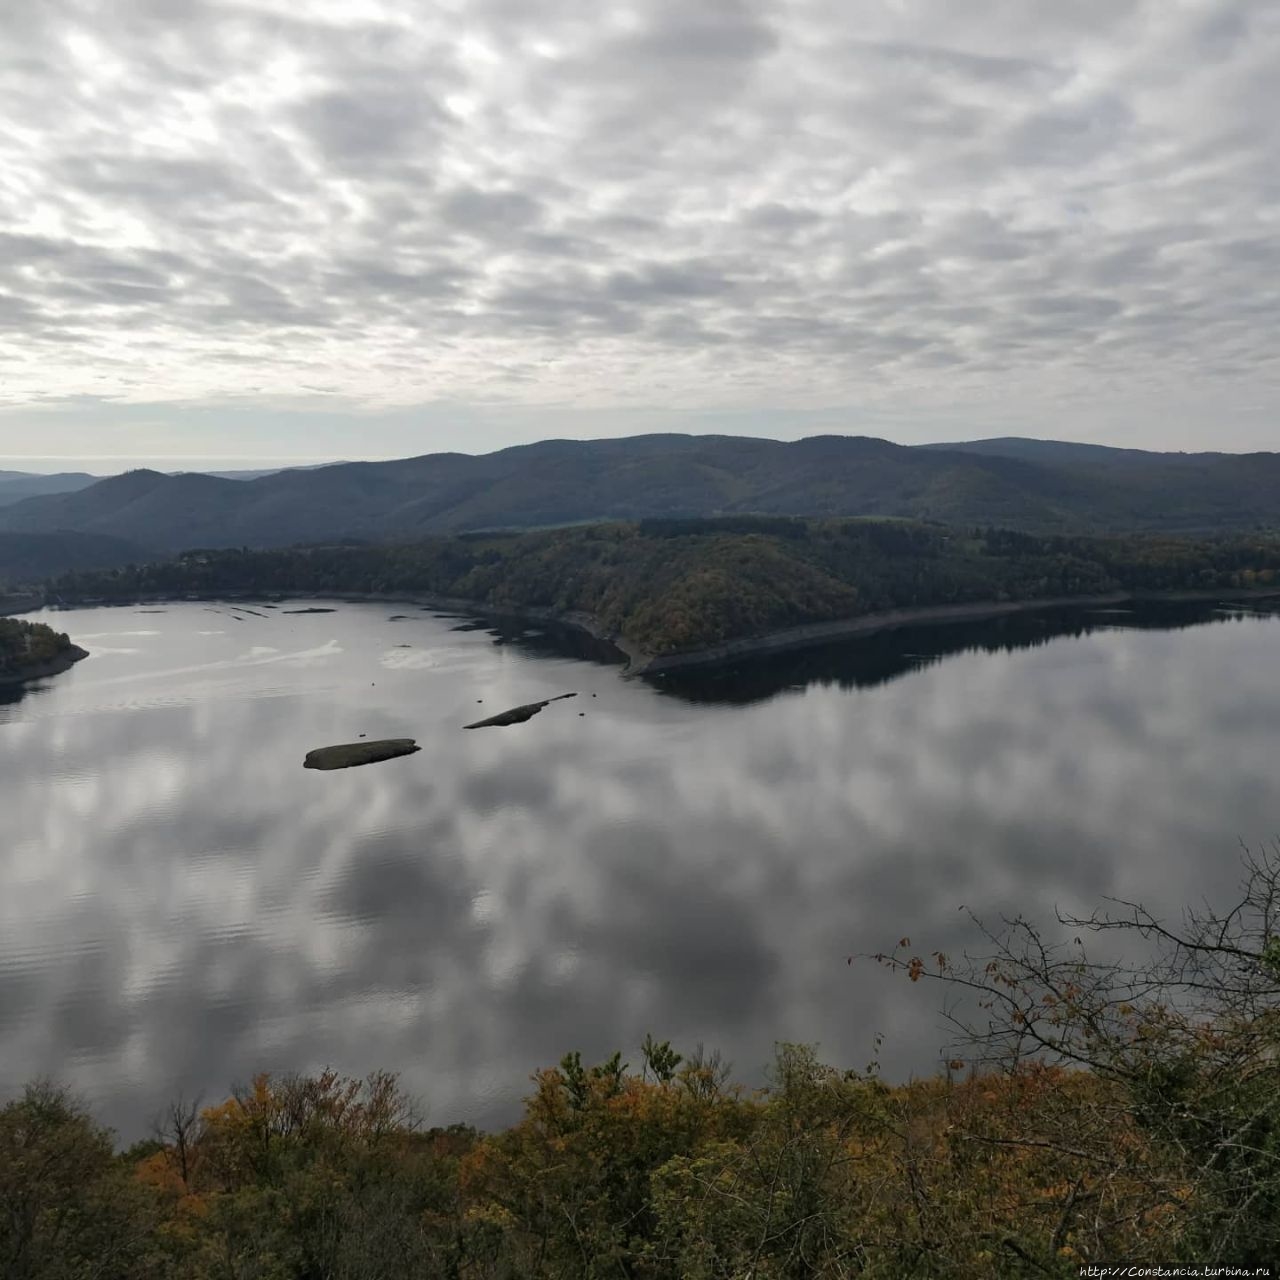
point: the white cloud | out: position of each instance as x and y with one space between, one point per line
921 219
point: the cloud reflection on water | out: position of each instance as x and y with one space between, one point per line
181 904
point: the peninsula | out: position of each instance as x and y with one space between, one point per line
677 591
29 650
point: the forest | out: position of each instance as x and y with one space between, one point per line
28 645
674 584
1035 485
1092 1112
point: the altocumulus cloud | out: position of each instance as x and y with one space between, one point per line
919 217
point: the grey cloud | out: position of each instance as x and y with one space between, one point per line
1257 251
471 209
570 198
977 234
1082 308
716 31
163 182
773 216
978 66
568 303
15 313
685 331
369 123
686 281
370 276
1221 32
1069 137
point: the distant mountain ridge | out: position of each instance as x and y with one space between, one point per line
1064 451
1039 486
17 485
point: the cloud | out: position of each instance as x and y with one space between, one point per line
1046 218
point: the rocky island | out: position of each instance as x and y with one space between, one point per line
517 715
29 650
350 755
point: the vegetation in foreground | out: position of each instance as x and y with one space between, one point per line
1100 1113
29 646
673 585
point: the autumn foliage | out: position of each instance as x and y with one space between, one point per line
1096 1113
673 585
610 1172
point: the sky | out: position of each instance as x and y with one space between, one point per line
259 232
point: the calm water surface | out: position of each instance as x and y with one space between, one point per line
181 904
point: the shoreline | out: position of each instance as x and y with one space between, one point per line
55 667
639 662
810 634
628 651
11 606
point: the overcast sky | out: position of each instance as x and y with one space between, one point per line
239 231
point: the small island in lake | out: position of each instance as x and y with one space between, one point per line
348 755
517 715
29 650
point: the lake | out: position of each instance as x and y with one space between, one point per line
182 904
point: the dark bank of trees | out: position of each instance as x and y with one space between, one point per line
1095 1112
682 584
26 646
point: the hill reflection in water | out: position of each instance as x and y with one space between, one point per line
862 662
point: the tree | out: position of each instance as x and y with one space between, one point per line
178 1131
67 1207
1180 1045
660 1060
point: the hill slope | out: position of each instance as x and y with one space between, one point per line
1032 485
673 585
27 558
17 485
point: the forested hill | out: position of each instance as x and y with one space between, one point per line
1031 485
673 585
27 558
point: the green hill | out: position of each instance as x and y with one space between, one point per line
1037 486
678 584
